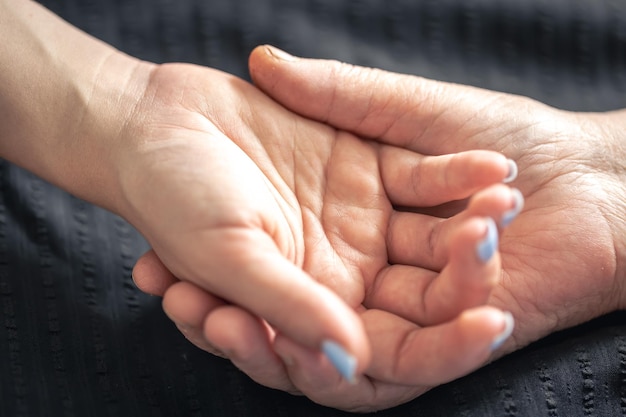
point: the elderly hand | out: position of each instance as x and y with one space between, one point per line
564 258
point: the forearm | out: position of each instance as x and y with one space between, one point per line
64 100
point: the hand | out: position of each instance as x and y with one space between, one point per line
236 194
564 258
240 196
296 203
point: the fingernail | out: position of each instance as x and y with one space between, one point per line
509 324
183 327
132 276
279 54
510 215
488 246
512 171
344 362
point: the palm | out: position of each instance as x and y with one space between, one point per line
345 216
316 194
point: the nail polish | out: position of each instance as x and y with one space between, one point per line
344 362
513 171
499 340
510 215
488 246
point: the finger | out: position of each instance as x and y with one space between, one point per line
423 240
243 266
396 109
407 359
151 276
227 331
315 377
428 298
408 354
188 306
411 179
247 341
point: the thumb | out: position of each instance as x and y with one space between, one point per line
401 110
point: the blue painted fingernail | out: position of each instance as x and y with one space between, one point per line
512 171
510 215
488 246
344 362
504 334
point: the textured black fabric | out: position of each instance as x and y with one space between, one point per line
77 338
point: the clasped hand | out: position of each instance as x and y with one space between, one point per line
339 239
287 235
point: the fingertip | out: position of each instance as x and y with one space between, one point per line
300 84
518 205
257 61
349 342
472 272
478 232
488 245
259 55
488 167
491 324
512 171
344 362
496 325
498 201
264 61
505 333
151 276
272 53
279 54
318 371
188 305
342 339
346 348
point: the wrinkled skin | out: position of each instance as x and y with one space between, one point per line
563 258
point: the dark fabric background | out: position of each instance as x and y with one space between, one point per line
77 338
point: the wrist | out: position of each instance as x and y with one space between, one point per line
619 155
65 101
103 138
611 160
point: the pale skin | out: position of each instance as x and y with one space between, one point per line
268 210
564 257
